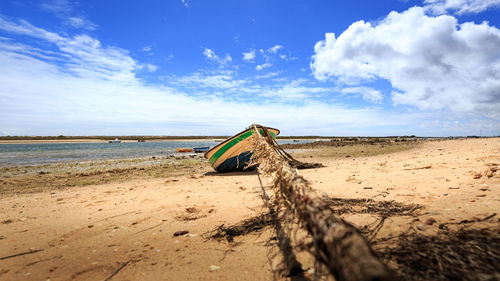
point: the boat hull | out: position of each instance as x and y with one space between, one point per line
201 149
234 153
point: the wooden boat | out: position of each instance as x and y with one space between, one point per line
184 150
234 153
201 149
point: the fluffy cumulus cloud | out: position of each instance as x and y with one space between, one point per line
210 54
263 66
275 49
432 62
249 56
459 6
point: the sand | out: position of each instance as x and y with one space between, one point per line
89 232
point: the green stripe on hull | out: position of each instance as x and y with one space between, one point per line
230 144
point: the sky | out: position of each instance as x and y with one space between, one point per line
202 67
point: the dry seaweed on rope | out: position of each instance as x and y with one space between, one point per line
294 163
245 227
464 254
338 245
370 206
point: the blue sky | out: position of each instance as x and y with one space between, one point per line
193 67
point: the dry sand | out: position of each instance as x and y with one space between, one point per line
87 233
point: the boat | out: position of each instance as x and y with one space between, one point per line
184 150
141 140
234 153
201 149
115 141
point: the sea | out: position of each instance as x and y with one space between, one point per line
33 154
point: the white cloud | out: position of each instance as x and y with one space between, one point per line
78 22
268 75
76 86
38 98
57 6
294 90
368 94
65 10
263 66
210 54
249 56
151 67
81 54
275 49
185 3
147 48
220 79
460 6
432 62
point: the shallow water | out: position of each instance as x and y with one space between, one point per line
44 153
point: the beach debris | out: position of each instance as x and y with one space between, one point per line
7 221
31 251
443 225
117 270
421 227
477 176
180 232
192 210
465 254
247 226
213 268
367 187
430 221
420 168
341 206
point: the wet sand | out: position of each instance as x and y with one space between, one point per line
89 232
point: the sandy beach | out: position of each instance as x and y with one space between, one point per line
126 222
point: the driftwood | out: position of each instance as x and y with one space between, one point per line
117 270
21 254
336 243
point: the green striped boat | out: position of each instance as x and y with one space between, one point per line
234 153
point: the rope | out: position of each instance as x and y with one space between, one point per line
336 244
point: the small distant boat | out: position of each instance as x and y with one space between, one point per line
184 150
201 149
115 141
296 141
141 140
234 153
